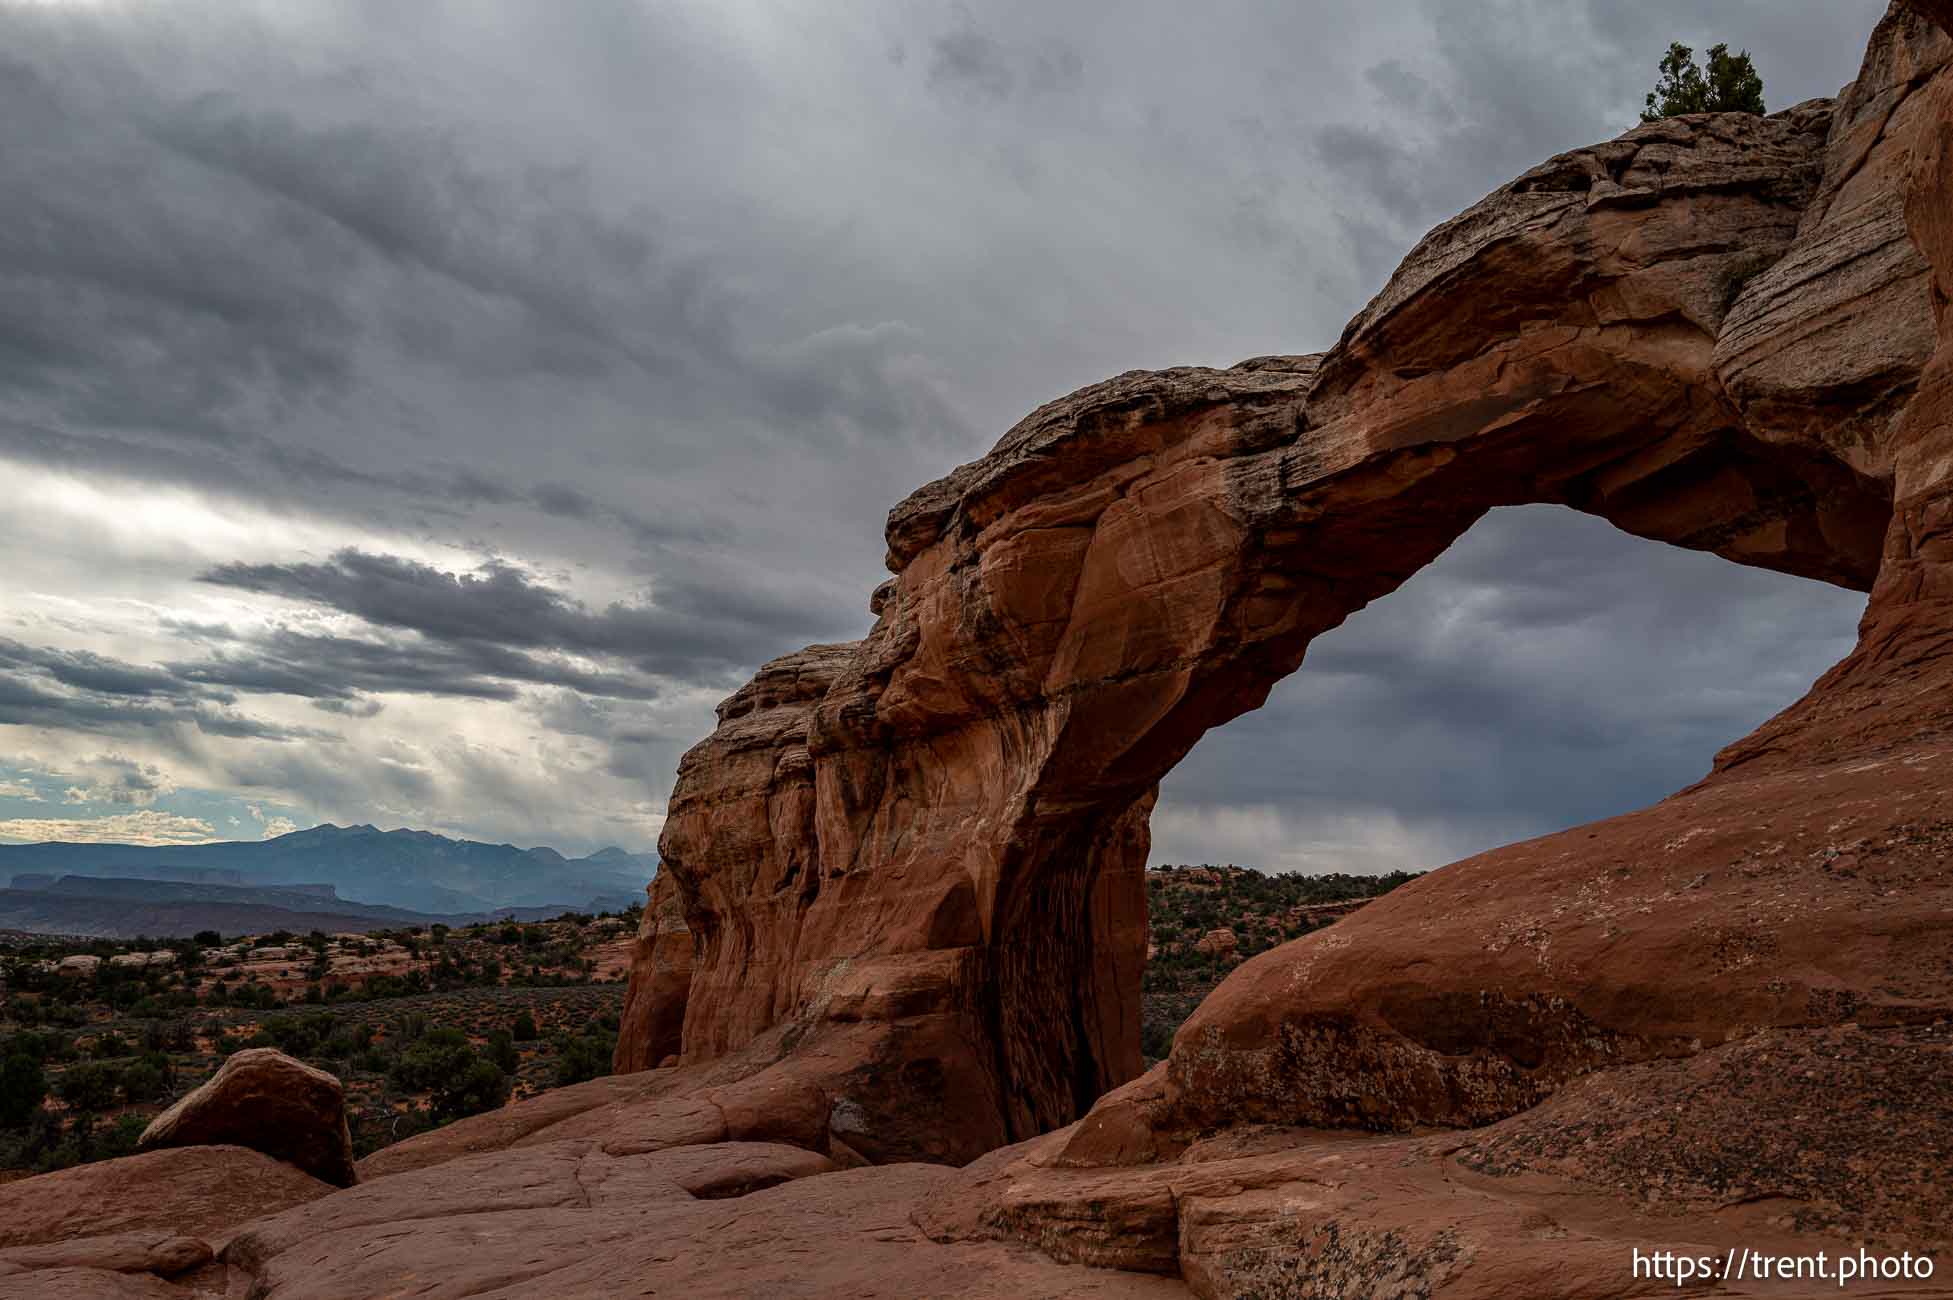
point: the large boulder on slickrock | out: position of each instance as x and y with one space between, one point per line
263 1099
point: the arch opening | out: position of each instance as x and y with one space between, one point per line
1545 671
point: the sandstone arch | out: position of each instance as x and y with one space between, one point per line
912 864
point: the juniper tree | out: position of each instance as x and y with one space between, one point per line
1730 84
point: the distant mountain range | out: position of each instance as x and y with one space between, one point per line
110 907
404 869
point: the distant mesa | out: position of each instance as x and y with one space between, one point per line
324 877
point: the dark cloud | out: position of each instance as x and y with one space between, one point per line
329 668
26 703
358 707
87 671
500 622
968 60
198 283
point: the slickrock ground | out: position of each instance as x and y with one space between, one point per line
909 870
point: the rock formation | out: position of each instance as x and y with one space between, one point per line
1218 941
1710 332
262 1099
653 1023
908 868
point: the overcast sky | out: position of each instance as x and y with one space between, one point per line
422 414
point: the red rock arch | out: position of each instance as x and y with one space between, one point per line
912 865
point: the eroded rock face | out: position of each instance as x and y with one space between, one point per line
263 1099
1711 332
651 1028
1788 1141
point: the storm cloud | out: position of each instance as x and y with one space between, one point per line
423 414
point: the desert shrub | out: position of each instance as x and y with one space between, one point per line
586 1055
442 1063
480 1086
374 1129
23 1087
148 1079
89 1086
1730 84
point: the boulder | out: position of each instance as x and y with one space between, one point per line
262 1099
1216 943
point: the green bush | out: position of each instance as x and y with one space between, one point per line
23 1087
479 1087
89 1086
1729 85
444 1064
147 1079
585 1056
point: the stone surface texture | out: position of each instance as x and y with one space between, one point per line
900 922
653 1022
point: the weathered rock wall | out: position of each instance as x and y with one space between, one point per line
652 1026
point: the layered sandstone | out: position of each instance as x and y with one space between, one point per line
1710 332
652 1025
